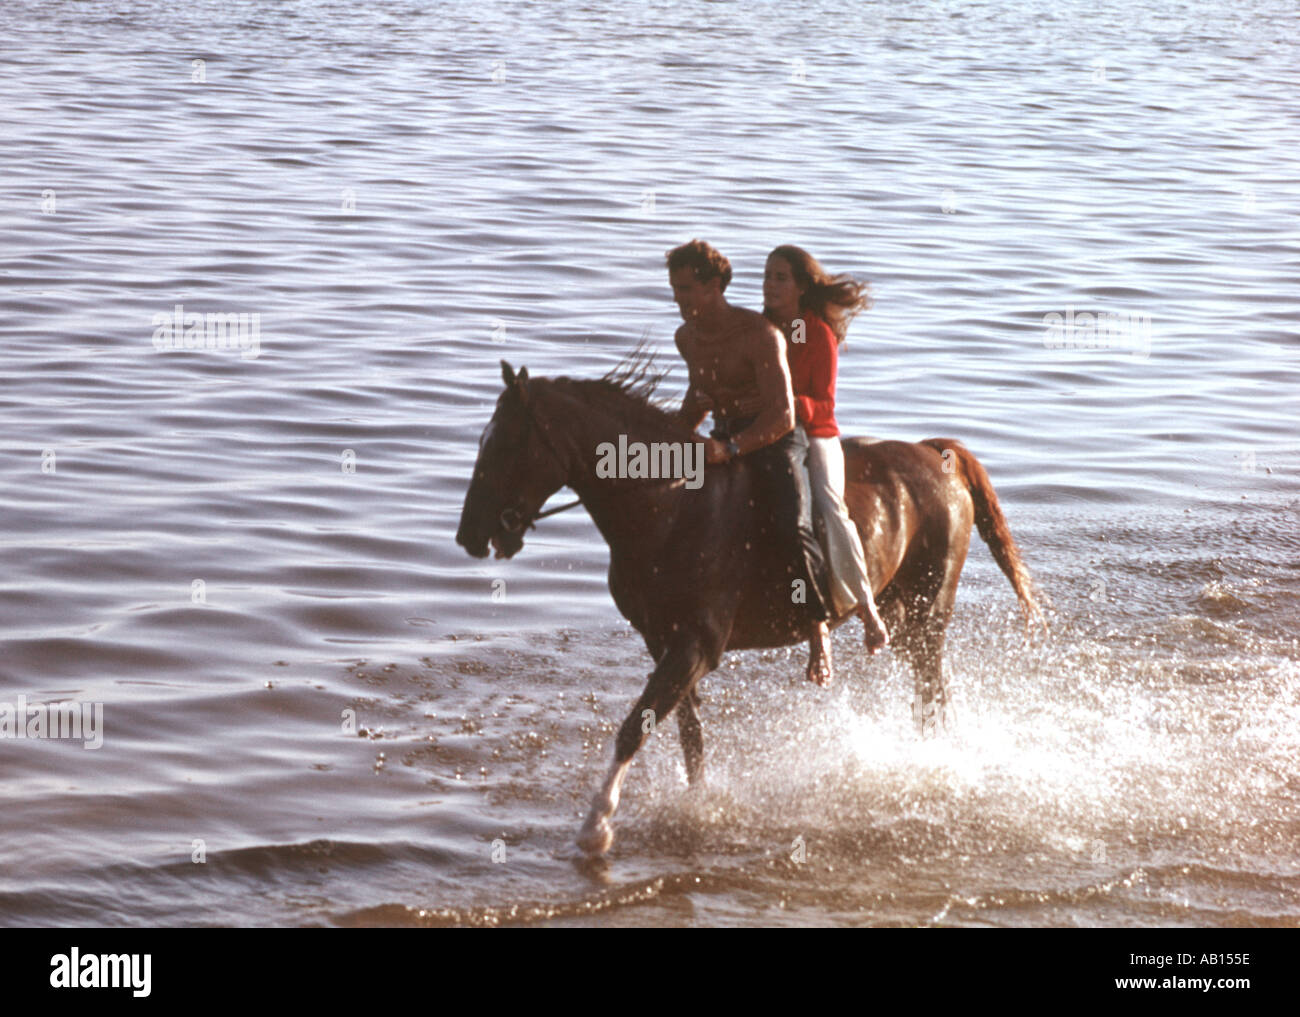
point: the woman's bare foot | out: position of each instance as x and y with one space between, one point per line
819 656
873 629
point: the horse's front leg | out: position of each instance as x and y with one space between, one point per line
672 679
692 736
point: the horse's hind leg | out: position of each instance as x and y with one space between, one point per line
920 641
673 678
893 613
692 736
931 708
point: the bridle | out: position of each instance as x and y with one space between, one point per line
512 521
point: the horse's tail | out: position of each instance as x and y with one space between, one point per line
992 524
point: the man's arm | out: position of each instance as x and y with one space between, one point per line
695 405
772 373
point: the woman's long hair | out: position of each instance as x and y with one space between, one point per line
836 299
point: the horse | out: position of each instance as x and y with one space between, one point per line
692 566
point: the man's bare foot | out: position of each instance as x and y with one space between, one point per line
819 657
873 629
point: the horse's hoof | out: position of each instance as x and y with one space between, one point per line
596 840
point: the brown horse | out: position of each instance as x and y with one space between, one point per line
691 564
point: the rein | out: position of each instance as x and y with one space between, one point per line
550 512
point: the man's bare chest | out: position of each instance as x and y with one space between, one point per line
715 367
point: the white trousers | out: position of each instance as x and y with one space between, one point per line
849 582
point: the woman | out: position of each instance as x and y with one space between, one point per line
814 309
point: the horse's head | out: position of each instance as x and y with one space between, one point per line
517 469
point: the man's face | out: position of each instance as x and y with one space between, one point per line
693 296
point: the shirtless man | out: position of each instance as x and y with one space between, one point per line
736 361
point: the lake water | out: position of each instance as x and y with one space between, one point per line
314 711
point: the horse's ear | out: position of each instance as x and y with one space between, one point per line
519 381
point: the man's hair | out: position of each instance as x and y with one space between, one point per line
704 259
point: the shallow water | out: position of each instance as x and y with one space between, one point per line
230 548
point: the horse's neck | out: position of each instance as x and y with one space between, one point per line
627 512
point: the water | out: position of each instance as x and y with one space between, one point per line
314 710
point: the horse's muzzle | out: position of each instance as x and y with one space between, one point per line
507 543
471 537
477 548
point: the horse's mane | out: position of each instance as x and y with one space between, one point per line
637 375
628 393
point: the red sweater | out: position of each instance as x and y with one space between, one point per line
813 364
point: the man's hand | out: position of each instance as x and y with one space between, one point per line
695 407
715 452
